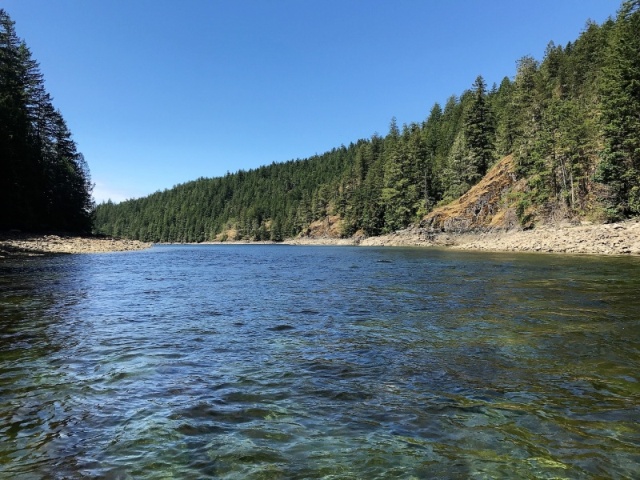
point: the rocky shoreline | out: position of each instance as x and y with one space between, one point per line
621 238
17 244
610 239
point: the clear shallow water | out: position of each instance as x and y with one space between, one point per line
319 362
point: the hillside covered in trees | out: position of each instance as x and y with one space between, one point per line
44 180
571 122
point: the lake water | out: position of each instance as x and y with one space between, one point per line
319 362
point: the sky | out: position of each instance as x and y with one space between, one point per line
161 92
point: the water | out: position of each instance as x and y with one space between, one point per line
319 362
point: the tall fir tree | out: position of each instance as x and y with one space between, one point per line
619 169
44 180
479 130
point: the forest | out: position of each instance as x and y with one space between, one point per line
44 181
571 120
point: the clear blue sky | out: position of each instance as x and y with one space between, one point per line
160 92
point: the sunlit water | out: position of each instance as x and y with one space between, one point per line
319 362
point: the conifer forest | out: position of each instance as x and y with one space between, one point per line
571 120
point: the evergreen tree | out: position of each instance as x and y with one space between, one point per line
459 172
479 133
431 140
620 166
44 180
396 181
506 113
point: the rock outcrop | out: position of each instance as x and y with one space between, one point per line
484 218
483 208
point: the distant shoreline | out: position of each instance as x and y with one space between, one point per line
621 238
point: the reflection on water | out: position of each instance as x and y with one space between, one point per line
319 362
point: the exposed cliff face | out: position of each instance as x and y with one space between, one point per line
328 227
483 208
485 218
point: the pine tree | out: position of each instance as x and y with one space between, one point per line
397 184
619 169
459 172
506 117
479 132
14 129
44 180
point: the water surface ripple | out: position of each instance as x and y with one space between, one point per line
319 362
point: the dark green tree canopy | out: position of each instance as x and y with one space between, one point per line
44 180
479 132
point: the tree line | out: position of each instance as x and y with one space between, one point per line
571 121
44 180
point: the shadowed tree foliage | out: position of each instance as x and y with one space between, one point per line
44 180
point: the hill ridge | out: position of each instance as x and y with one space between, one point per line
565 129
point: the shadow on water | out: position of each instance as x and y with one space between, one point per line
33 389
316 362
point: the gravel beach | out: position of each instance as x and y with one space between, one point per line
13 244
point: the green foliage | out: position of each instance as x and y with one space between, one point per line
571 121
44 180
271 202
479 132
620 89
523 205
